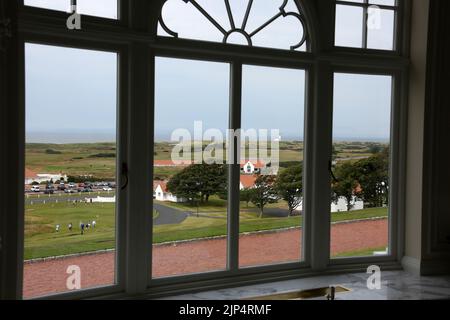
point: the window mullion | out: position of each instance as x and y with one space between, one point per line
364 26
321 156
234 166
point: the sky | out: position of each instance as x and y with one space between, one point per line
83 83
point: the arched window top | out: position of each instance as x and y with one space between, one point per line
278 24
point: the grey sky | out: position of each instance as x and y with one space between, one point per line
82 84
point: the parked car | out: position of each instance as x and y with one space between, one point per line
107 189
61 187
49 191
35 189
85 190
71 191
72 185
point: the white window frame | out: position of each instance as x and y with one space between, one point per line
133 37
400 8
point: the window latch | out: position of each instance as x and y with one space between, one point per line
125 175
5 32
330 169
5 28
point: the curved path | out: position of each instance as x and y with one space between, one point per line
168 215
47 277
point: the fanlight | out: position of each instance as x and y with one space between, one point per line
264 23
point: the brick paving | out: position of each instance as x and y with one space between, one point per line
48 277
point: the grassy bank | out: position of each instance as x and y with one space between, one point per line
41 239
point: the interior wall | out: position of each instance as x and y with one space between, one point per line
415 147
427 225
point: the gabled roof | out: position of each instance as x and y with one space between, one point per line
29 174
248 181
256 164
163 185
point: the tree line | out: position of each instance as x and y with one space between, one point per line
366 180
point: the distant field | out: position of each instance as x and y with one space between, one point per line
98 159
72 159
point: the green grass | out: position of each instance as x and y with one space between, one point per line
360 253
41 240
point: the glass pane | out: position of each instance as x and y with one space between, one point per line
190 174
271 185
349 26
380 29
210 21
383 2
70 170
97 8
361 153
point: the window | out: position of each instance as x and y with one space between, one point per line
367 24
202 150
190 213
361 159
70 169
254 23
271 200
97 8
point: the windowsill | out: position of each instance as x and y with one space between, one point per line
395 285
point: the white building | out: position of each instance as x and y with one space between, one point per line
341 205
249 168
31 176
161 193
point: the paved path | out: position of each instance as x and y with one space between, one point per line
168 215
48 277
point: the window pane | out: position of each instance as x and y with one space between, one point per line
60 5
190 206
70 170
271 185
286 31
361 153
97 8
349 26
383 2
380 25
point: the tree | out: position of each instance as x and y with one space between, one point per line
185 185
198 182
334 152
346 184
373 176
375 148
264 192
289 186
246 195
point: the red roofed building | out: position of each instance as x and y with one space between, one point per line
30 176
251 167
247 181
161 193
